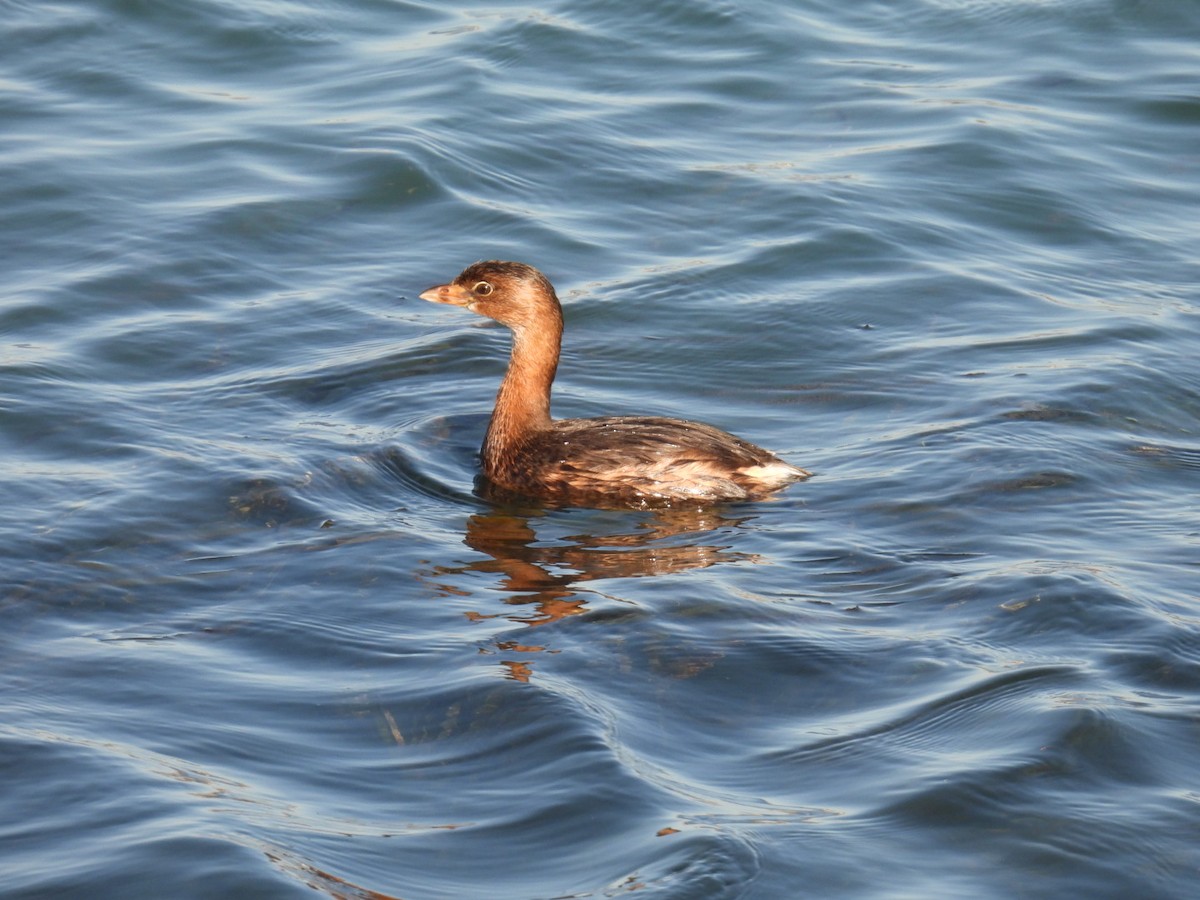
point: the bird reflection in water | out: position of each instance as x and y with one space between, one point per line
544 578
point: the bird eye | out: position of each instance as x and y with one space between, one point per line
482 288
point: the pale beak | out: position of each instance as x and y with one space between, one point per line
453 294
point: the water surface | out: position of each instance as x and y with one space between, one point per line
263 639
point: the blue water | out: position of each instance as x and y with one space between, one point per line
261 638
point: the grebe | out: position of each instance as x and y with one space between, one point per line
620 461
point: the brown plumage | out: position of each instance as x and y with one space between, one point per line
609 461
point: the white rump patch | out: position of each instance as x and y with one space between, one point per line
773 473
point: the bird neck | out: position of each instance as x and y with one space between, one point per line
523 401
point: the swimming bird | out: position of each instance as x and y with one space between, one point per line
611 461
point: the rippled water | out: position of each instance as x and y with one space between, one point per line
260 636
